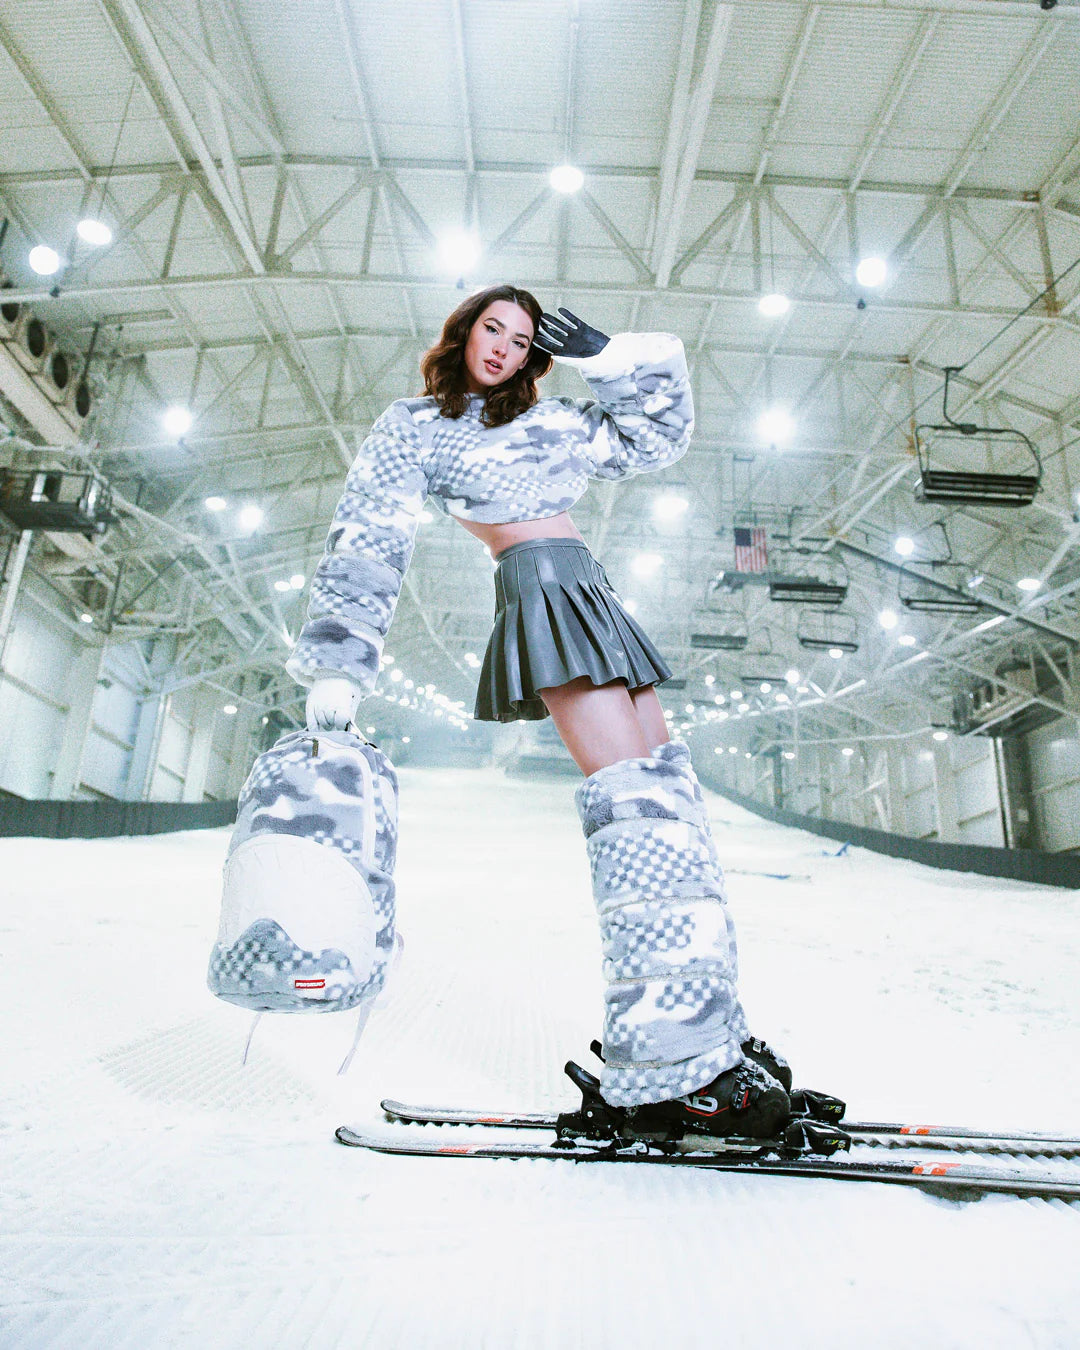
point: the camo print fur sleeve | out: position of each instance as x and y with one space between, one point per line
368 550
642 416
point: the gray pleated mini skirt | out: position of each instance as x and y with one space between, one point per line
556 618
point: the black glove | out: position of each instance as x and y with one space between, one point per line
568 336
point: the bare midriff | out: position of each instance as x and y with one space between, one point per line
499 537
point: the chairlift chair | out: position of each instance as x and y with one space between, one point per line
819 630
937 585
803 576
969 486
718 626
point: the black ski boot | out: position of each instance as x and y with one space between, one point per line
745 1100
769 1060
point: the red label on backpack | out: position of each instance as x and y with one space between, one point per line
309 984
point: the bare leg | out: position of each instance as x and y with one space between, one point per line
598 723
651 716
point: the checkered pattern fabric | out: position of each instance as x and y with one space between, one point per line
677 752
262 969
671 1010
335 790
640 419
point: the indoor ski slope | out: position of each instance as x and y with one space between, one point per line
156 1193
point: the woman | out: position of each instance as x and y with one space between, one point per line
508 464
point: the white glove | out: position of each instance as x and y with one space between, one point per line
331 703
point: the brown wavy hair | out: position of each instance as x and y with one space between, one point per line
443 367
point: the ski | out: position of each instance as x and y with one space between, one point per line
887 1134
959 1179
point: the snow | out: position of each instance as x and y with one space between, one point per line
158 1194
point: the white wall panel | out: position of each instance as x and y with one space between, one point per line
104 765
1053 753
31 731
978 810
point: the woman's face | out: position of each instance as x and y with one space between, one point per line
498 345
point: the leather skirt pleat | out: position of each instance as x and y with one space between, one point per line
557 618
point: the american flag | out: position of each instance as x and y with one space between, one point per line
750 549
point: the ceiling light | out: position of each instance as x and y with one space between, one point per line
803 689
775 426
44 260
176 420
789 754
766 687
871 271
250 517
847 750
772 306
904 546
737 694
297 581
229 710
94 232
836 653
941 735
906 640
215 503
86 618
282 586
459 252
888 618
566 178
976 580
792 676
670 506
733 749
1029 583
744 707
646 564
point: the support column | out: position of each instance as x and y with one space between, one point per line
11 590
894 782
948 812
144 754
80 685
207 706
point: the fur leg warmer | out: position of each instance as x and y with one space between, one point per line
670 1000
678 753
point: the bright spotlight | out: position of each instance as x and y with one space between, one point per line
888 619
836 653
871 272
1029 583
250 517
904 546
215 503
774 305
670 506
86 618
847 750
44 260
646 564
566 178
792 676
176 420
906 640
94 232
775 427
229 710
766 687
459 252
941 735
282 586
297 581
